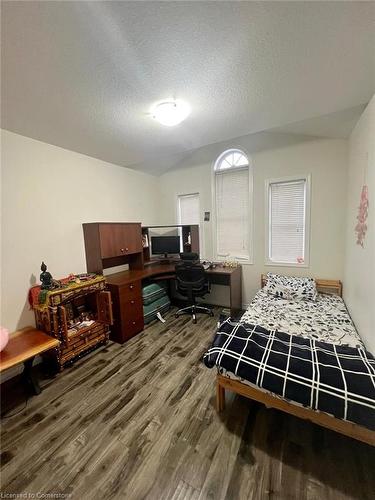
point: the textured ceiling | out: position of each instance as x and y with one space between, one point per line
83 75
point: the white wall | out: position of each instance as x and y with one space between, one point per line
359 291
47 193
325 160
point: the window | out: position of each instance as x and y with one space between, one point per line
287 231
188 212
233 199
188 209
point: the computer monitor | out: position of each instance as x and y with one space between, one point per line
164 245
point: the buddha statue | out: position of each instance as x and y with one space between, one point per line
46 278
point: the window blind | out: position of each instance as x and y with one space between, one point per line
188 211
232 213
287 221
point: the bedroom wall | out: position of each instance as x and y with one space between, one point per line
359 290
325 160
51 191
47 193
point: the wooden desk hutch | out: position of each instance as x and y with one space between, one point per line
113 244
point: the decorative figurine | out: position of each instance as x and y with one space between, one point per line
46 278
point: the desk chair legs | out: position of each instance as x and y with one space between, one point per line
193 310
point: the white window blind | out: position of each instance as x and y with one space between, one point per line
188 209
287 221
232 213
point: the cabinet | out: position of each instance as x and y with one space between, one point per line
119 239
110 244
127 308
78 315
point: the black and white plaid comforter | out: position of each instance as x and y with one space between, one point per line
338 380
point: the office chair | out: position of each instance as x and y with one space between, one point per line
189 256
191 282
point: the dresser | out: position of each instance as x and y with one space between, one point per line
126 292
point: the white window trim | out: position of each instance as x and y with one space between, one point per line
216 256
268 261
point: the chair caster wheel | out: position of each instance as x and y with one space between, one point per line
211 314
195 321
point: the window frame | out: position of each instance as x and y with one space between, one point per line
214 172
294 178
178 205
200 226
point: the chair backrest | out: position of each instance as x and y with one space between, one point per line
190 276
189 256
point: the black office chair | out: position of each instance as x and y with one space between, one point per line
191 282
189 256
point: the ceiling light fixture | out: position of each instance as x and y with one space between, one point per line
171 112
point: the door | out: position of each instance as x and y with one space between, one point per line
63 324
131 238
120 239
104 305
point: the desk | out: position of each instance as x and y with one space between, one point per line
126 292
22 347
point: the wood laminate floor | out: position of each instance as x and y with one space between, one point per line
138 421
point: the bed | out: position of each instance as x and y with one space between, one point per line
304 358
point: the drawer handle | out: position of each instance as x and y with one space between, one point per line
131 287
122 250
132 301
126 249
133 322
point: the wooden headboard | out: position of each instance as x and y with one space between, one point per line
333 287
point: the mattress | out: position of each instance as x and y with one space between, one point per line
325 320
337 380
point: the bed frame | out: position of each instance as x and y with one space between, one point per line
350 429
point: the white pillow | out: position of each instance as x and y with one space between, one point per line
291 287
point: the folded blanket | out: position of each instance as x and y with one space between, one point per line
335 379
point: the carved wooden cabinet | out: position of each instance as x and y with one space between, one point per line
79 315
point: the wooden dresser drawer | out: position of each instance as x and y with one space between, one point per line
131 290
128 310
132 308
133 326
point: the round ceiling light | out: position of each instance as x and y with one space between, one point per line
171 112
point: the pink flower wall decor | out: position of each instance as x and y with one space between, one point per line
4 337
361 226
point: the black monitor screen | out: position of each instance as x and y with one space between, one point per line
165 244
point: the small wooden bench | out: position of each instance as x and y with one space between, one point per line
22 347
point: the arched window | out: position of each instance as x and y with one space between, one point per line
232 158
233 201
